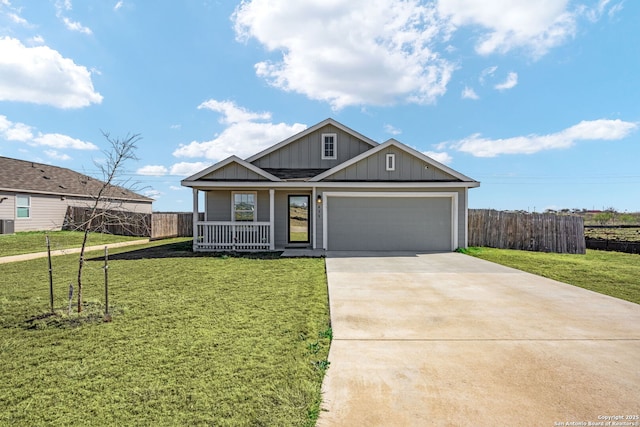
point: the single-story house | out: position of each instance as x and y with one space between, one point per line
36 196
330 187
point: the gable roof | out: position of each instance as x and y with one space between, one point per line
31 177
306 132
227 161
400 146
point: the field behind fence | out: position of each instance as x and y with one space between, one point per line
527 231
155 225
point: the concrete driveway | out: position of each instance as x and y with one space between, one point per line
444 339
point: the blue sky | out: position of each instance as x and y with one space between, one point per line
537 100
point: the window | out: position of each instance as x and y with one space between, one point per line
23 206
391 162
329 146
243 206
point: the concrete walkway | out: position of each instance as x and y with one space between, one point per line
445 339
25 257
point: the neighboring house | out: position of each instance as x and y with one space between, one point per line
331 188
36 196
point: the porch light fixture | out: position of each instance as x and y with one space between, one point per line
319 200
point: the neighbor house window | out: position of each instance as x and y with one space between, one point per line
329 146
391 162
244 206
23 206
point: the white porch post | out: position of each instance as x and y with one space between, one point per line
195 219
272 211
314 217
466 217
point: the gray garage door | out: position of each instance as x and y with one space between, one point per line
389 223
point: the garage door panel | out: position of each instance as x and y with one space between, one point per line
389 223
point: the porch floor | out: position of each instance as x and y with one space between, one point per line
303 253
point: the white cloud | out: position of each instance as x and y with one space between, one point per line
188 168
231 113
118 5
57 156
594 14
76 26
441 157
350 52
59 141
152 170
66 6
42 76
536 26
509 83
21 132
176 188
14 131
487 72
154 194
17 18
36 40
392 130
601 129
63 5
469 93
242 137
175 127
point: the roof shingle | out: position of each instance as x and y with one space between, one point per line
31 177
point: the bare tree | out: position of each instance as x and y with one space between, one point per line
121 150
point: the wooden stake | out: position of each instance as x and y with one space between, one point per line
50 275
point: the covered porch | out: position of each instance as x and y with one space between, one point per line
238 219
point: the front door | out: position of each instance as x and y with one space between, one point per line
298 219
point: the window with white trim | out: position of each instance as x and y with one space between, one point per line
23 206
329 146
391 162
243 206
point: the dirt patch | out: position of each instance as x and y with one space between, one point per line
183 250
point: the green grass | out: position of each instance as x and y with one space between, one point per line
611 273
35 241
195 340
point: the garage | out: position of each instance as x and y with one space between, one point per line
390 221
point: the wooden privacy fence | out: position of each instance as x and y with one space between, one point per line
122 223
154 226
527 231
173 224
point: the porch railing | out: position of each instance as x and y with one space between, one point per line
232 236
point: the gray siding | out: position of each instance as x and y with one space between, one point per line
218 205
282 214
234 172
306 152
407 168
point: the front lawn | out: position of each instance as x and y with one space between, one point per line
35 241
611 273
195 340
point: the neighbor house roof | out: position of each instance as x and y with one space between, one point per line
31 177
